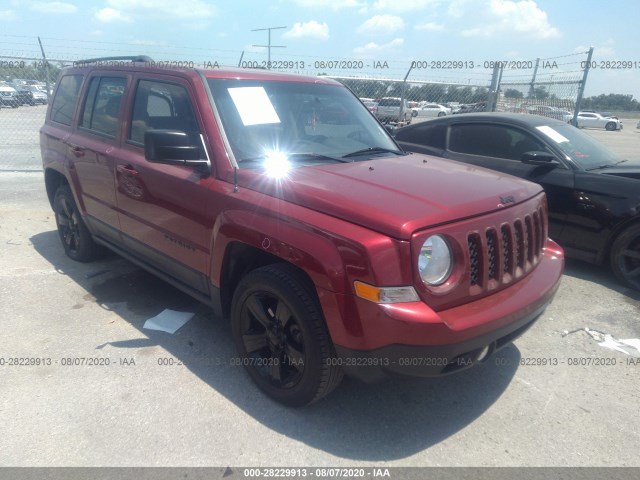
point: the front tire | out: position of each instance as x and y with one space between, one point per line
625 256
610 126
74 235
280 334
441 114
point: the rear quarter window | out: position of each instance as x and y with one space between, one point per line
66 99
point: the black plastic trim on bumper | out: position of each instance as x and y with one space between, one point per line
428 360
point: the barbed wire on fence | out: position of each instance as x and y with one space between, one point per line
546 86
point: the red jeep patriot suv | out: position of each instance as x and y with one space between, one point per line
284 204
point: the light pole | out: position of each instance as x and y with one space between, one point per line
268 46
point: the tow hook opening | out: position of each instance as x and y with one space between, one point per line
468 359
486 352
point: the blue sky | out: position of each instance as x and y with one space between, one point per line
393 31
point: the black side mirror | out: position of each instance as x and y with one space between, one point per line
537 157
173 147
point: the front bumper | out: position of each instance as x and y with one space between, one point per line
412 339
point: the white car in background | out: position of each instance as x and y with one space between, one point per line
8 96
430 110
595 120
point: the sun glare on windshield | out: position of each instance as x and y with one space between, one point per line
276 164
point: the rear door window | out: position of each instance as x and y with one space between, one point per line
66 99
102 105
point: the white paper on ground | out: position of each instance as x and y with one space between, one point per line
168 321
628 346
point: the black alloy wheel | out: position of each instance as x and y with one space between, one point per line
74 235
625 256
281 336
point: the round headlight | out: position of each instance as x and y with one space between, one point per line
435 260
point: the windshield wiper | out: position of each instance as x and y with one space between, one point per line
606 165
318 156
364 151
298 156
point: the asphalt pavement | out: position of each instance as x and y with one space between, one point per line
84 384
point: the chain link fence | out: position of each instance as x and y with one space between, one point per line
398 91
551 87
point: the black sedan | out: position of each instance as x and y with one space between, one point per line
593 196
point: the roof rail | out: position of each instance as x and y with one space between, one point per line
133 58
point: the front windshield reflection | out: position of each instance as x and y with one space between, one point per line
315 123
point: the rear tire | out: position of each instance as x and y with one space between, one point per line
74 235
625 256
280 333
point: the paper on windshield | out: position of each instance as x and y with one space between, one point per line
552 134
253 105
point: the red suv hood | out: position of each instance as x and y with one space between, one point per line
398 195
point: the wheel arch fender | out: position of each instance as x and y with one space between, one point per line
243 241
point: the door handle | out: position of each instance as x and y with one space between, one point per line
76 150
127 170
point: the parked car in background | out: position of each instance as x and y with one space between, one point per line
549 112
24 96
393 109
604 114
38 96
371 106
43 88
430 110
472 107
595 120
594 196
454 106
331 251
8 96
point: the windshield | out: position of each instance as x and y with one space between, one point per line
310 123
580 147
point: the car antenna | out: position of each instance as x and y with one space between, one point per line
235 180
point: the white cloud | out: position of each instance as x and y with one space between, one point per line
381 24
404 5
108 15
310 29
183 9
522 17
374 48
331 4
53 7
431 27
7 15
